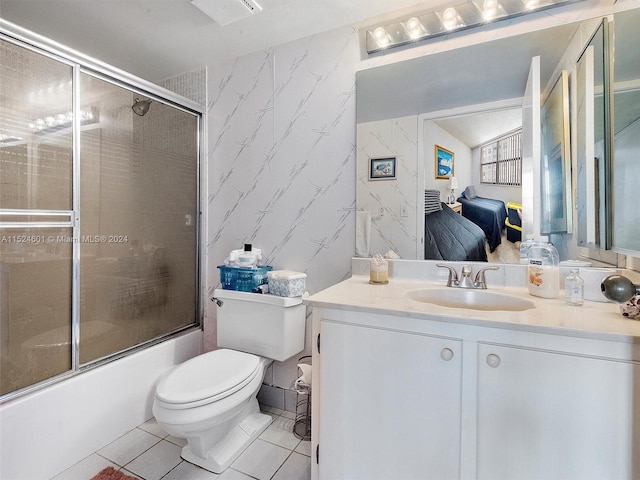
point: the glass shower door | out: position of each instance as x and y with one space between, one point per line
36 210
99 209
139 197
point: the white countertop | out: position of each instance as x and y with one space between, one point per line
591 320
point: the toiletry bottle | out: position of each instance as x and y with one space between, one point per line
543 276
525 247
574 288
246 258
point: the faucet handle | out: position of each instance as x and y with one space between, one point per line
453 275
480 280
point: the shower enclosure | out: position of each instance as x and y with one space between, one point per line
99 213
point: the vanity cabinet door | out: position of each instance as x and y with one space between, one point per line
390 404
551 415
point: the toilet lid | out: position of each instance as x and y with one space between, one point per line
210 376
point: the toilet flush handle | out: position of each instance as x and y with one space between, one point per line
218 301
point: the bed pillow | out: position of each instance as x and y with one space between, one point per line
432 201
470 192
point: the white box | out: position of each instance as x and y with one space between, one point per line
286 283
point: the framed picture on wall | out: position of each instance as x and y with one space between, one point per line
444 162
382 168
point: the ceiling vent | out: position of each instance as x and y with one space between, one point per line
224 12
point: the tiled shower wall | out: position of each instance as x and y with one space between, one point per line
192 85
281 166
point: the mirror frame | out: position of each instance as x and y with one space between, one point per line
603 213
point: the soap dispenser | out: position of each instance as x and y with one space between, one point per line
525 247
543 274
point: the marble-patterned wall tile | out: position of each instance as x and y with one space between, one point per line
281 162
391 203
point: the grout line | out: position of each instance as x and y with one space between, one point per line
130 473
107 459
242 473
151 433
180 463
280 467
142 453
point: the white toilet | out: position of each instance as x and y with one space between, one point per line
211 399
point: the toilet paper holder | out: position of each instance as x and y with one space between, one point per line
302 425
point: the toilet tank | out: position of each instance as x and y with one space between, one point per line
262 324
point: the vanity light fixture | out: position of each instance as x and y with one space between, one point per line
473 13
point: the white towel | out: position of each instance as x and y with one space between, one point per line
363 233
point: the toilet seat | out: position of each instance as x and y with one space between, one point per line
207 378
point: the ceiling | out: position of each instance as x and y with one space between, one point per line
157 39
476 129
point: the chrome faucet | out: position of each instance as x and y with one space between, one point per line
465 281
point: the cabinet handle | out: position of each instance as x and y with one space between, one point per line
446 354
493 360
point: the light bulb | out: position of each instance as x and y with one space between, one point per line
449 18
449 14
489 9
413 23
380 34
415 29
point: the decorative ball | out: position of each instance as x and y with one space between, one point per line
631 308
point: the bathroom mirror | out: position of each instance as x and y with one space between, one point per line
626 154
472 94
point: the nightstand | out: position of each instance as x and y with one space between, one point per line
456 207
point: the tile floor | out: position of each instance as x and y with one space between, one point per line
148 453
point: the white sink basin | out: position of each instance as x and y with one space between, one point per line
473 299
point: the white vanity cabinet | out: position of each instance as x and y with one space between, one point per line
389 404
419 398
555 415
